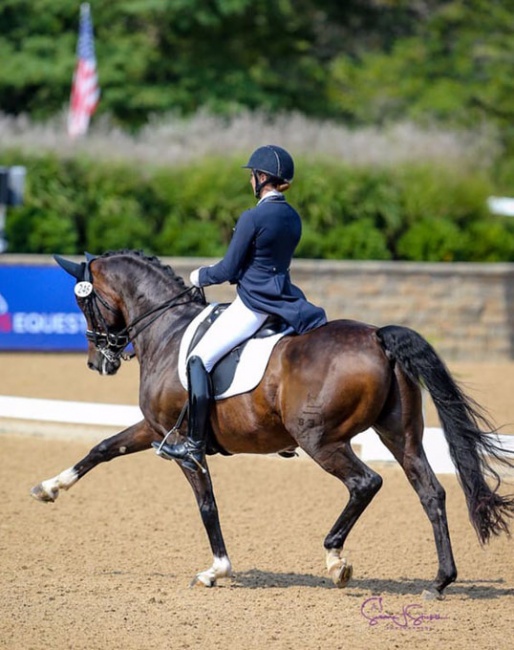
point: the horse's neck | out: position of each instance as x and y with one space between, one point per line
143 288
160 329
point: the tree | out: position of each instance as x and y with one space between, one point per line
359 61
456 68
155 56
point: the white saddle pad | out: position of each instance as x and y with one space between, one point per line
252 364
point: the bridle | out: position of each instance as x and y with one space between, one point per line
111 343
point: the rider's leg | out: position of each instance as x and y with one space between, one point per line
192 450
234 325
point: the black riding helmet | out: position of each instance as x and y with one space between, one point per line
271 160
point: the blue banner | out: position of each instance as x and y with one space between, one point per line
38 310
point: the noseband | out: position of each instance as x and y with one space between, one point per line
112 343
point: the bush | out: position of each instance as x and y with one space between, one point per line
410 212
432 240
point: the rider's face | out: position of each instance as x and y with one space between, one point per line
256 178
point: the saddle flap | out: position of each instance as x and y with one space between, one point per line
243 367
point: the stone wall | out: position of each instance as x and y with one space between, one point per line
465 310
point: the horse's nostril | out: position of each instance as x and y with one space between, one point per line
91 365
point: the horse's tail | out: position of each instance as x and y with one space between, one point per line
471 438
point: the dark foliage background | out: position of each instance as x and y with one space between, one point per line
360 63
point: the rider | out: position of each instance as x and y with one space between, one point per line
257 260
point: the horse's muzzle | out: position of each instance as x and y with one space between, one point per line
104 365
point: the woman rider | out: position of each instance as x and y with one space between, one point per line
257 261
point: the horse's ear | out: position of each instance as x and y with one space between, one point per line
87 270
73 268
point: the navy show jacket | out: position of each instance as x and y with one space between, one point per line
258 260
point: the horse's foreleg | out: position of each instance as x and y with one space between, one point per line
363 483
204 494
136 438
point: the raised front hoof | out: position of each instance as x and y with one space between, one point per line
432 594
40 494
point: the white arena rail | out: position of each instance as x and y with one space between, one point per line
367 444
21 408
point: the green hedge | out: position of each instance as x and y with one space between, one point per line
419 213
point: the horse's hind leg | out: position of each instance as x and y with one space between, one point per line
411 456
404 441
362 483
136 438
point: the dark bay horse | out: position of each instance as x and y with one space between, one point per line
320 389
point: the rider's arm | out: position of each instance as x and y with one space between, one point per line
230 267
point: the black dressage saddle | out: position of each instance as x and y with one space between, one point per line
223 372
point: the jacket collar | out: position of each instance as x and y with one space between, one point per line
274 195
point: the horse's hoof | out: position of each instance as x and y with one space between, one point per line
343 576
432 594
40 494
339 569
341 573
202 580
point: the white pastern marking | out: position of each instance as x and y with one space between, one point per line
64 480
68 478
221 568
333 558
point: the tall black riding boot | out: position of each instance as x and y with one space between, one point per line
192 451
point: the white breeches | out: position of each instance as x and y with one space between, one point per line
236 324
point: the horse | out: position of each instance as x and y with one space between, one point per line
319 390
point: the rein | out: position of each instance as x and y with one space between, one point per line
112 344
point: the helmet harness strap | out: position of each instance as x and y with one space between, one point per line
259 185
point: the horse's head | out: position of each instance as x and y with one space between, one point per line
106 332
122 293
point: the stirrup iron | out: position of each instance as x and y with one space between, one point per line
188 459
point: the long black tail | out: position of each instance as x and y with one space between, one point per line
472 440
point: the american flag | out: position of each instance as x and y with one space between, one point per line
84 91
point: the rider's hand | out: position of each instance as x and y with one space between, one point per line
194 278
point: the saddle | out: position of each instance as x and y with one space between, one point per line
243 367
